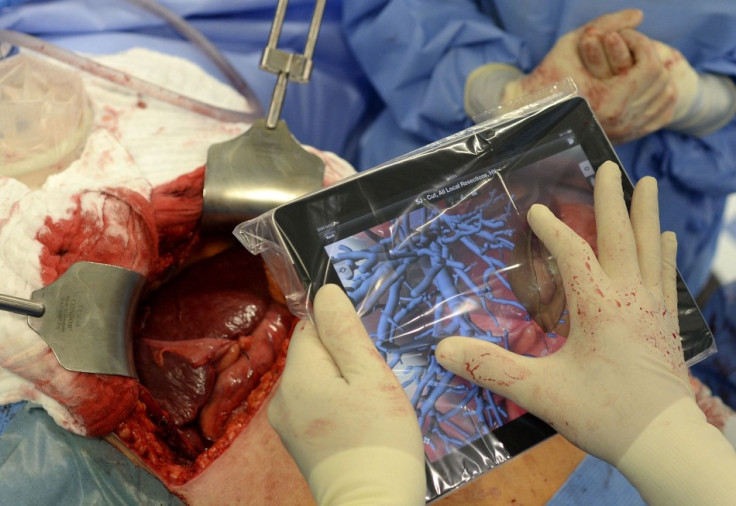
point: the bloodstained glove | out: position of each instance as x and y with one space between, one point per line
342 413
623 328
629 105
618 388
704 103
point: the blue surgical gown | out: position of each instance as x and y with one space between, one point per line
418 54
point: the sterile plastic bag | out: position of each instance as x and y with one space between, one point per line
435 243
45 116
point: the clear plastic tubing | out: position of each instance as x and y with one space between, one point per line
207 47
124 79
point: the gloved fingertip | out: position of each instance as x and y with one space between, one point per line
536 212
633 16
330 296
610 167
670 240
445 348
670 235
621 19
328 290
450 353
542 221
649 183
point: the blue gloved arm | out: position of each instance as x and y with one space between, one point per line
419 53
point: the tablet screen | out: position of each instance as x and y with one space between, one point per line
444 269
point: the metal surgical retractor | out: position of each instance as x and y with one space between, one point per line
265 166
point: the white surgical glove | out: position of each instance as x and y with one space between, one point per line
342 413
618 388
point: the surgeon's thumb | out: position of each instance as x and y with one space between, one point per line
619 20
487 365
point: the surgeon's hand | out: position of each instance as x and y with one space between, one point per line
622 364
629 104
343 415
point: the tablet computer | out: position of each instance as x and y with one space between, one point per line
435 243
